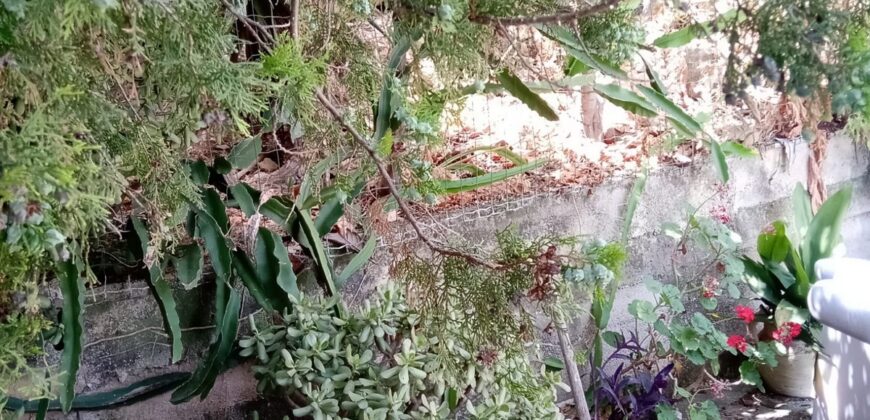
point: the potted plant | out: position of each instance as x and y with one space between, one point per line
782 278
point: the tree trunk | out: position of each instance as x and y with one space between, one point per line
591 107
573 373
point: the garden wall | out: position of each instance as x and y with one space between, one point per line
124 324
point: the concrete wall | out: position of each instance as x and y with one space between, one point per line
124 323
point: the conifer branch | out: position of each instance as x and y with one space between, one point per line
394 191
555 18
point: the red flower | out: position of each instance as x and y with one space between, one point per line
708 294
745 313
737 342
786 333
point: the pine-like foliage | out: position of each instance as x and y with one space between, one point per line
98 102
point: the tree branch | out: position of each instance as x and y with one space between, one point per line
554 18
394 191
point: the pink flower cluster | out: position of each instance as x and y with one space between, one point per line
786 333
745 313
711 285
720 214
738 342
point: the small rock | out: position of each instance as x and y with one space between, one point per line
267 165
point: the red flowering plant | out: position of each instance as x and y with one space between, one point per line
786 269
687 321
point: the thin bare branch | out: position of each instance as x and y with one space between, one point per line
295 18
555 18
394 191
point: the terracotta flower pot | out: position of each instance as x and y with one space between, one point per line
795 370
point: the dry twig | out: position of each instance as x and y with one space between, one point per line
394 191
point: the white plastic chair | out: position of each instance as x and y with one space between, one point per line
840 300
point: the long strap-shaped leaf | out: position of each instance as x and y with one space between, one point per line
129 394
318 252
283 276
202 380
73 292
468 184
358 261
519 90
163 292
384 108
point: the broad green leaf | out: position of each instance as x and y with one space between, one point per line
245 153
214 206
803 210
285 277
626 99
468 168
701 323
553 364
188 265
384 110
222 166
677 38
168 308
317 251
601 307
654 79
520 91
706 410
612 338
759 280
666 412
162 291
72 290
773 245
247 198
575 49
719 161
202 380
328 215
316 173
270 299
499 150
242 194
129 394
786 311
689 33
642 310
42 409
216 245
733 148
358 261
198 172
634 197
671 109
823 233
468 184
672 296
452 398
709 303
749 374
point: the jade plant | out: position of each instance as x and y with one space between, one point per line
381 362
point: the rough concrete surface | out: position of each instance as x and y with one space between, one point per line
125 341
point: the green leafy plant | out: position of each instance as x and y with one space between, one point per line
382 362
692 336
786 271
